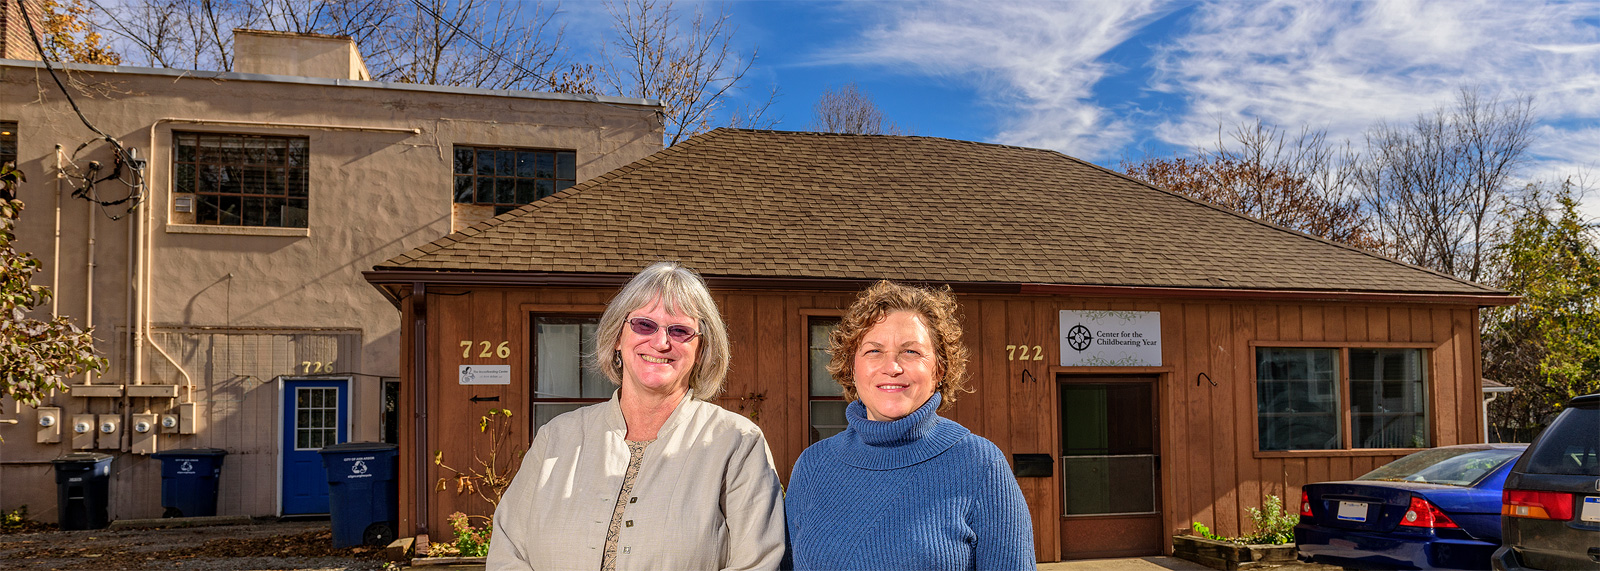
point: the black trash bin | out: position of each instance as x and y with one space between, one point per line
363 495
189 481
82 481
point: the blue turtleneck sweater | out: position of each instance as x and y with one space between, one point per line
921 492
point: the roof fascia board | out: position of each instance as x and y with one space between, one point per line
328 82
380 278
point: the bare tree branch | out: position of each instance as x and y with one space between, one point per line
690 69
1435 187
849 110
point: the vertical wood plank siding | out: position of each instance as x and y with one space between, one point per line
1211 469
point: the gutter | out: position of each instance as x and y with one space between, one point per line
386 280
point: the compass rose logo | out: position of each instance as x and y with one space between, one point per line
1078 337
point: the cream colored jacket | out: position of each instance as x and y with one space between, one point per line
707 495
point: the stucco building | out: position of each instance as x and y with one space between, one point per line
230 302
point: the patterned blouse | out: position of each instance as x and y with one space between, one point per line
635 457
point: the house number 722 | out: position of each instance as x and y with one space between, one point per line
1013 353
502 350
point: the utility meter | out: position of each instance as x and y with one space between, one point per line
108 427
144 433
49 425
82 431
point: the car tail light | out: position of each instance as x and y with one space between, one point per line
1422 513
1536 505
1305 504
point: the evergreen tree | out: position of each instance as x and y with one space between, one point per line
1548 346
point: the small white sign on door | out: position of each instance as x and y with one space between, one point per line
485 374
1110 338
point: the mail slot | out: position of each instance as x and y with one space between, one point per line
1033 465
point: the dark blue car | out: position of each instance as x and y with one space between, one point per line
1435 509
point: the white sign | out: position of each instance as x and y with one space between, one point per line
485 374
1110 338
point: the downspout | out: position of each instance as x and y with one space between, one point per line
55 256
1485 410
419 386
88 281
136 343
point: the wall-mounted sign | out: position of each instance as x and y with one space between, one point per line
485 374
1110 338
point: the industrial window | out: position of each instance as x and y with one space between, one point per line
507 178
1332 399
243 180
563 380
827 398
8 142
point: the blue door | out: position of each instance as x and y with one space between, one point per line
314 413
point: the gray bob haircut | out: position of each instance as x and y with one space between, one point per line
682 291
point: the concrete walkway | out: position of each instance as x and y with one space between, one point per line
1125 564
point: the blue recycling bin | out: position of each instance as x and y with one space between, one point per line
189 481
82 484
363 494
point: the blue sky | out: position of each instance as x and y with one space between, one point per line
1110 80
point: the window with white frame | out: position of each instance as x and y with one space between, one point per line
1302 394
827 398
562 379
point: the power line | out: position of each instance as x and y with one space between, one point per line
120 154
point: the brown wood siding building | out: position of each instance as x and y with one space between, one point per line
1203 410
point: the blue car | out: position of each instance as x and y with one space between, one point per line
1435 509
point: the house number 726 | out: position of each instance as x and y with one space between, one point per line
502 350
1013 353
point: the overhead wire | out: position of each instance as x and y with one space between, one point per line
120 154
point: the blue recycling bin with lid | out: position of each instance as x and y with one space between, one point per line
82 490
189 481
363 493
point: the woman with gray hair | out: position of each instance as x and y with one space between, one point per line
656 478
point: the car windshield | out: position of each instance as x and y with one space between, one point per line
1449 466
1570 446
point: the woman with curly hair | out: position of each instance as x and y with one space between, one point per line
902 487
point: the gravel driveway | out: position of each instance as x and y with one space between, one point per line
269 545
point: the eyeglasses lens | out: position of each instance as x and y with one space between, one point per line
645 327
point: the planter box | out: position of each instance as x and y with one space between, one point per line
1230 556
449 562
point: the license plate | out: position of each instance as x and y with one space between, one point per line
1353 511
1591 509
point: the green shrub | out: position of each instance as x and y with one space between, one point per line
470 541
1274 526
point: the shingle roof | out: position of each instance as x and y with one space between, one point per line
768 204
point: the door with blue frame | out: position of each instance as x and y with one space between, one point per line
315 414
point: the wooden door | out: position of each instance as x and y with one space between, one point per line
1110 467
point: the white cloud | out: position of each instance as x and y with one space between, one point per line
1345 66
1039 60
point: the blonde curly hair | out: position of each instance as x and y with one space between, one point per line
938 309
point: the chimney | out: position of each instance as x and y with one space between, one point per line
15 42
305 55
